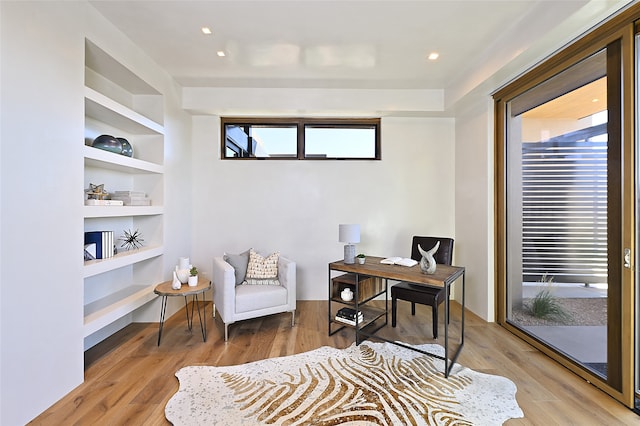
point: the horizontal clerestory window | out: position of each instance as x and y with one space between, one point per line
300 138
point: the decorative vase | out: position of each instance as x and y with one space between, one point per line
176 284
107 143
360 260
182 270
347 294
193 280
127 149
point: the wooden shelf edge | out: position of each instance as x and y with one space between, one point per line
104 311
99 266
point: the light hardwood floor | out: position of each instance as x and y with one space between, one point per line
129 379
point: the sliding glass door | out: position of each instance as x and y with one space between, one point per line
561 214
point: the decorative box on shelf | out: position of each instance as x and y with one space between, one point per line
367 286
132 198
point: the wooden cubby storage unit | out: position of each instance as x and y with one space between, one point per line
121 104
368 288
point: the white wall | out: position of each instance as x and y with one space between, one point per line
295 206
41 173
474 203
42 132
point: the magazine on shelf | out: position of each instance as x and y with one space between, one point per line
403 261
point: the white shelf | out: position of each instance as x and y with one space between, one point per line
118 101
121 211
94 157
99 266
106 110
104 311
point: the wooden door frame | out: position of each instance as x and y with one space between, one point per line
620 29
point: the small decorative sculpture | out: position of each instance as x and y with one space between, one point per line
176 284
96 192
428 263
131 240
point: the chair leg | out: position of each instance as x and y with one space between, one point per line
226 332
394 307
293 317
413 308
214 310
434 314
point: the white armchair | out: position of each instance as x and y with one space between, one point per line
240 302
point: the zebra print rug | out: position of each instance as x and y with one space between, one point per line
369 384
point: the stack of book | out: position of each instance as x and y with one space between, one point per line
103 241
132 198
349 316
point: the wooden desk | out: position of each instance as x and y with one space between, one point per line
164 289
444 277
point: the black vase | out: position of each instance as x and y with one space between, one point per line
127 149
107 143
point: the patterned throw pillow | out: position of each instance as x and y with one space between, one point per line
262 270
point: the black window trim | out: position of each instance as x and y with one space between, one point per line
300 123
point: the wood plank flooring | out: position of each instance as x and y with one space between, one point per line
129 379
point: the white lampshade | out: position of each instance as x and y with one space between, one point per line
349 233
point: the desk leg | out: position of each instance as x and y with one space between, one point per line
163 311
447 301
448 364
359 338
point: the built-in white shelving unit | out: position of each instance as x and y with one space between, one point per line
121 104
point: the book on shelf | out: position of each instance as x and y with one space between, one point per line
103 203
348 321
90 251
103 241
403 261
349 314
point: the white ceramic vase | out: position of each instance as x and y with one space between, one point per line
346 295
182 270
176 284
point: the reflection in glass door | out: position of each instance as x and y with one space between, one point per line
557 220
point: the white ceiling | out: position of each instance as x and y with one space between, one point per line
338 44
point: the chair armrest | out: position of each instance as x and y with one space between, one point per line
287 278
224 288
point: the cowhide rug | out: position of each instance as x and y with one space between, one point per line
369 384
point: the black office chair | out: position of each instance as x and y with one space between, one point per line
424 295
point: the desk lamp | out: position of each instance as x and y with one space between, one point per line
349 234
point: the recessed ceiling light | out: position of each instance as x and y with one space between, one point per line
594 100
206 30
221 53
433 56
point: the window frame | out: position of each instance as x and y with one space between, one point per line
301 123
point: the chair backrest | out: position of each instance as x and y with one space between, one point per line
443 256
